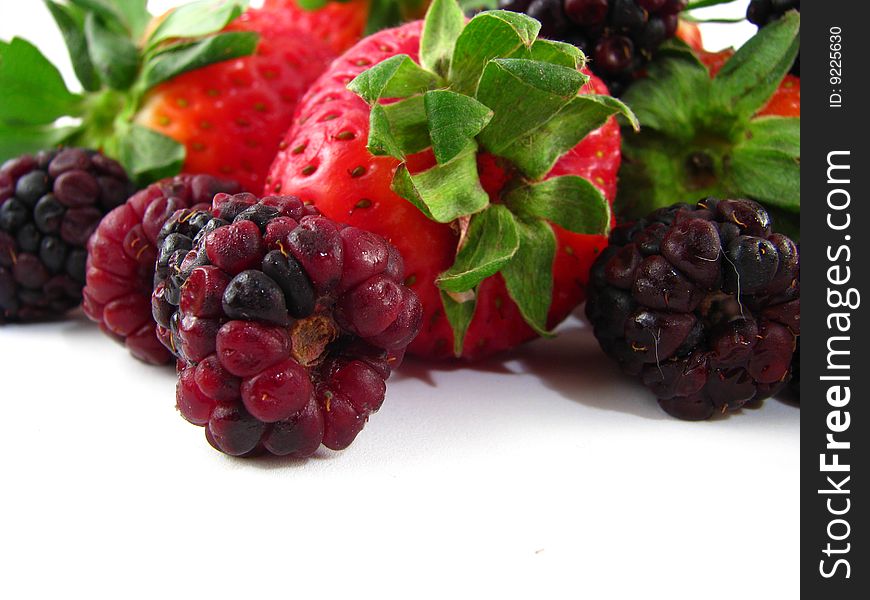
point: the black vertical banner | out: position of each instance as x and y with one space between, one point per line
835 268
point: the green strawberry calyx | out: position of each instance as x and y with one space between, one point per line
490 85
118 55
701 136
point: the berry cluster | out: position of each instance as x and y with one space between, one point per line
50 204
121 257
285 324
763 12
703 303
618 36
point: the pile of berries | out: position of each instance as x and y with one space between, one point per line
50 204
285 324
618 36
703 303
285 315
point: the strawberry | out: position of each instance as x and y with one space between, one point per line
338 24
229 115
465 208
208 88
342 23
723 124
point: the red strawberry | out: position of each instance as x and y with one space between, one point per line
208 87
338 24
325 161
229 115
342 23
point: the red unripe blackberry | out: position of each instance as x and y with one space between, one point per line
285 324
122 255
702 303
50 205
618 36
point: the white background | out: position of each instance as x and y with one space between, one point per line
542 475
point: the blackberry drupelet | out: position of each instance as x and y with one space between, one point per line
50 204
762 12
618 36
122 255
702 303
285 324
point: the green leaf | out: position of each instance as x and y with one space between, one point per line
571 202
381 15
403 186
523 95
774 133
135 14
765 165
447 191
529 276
113 54
395 77
489 35
73 33
188 57
454 120
312 4
197 19
768 176
490 243
106 12
558 53
398 129
28 139
751 76
537 152
443 24
149 156
33 91
459 315
677 89
468 6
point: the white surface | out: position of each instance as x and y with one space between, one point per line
543 475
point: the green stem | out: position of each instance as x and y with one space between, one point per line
706 3
693 19
100 116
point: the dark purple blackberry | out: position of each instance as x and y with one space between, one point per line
702 303
50 204
618 36
285 324
762 12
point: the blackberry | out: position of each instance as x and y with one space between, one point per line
122 255
618 36
702 303
285 324
762 12
50 204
